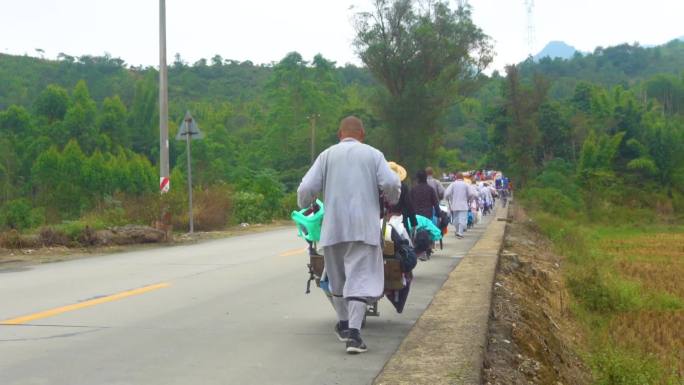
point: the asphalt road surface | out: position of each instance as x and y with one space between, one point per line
230 311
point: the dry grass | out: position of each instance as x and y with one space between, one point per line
655 259
649 246
655 276
654 332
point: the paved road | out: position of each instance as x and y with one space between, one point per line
229 311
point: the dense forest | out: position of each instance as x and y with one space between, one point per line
78 131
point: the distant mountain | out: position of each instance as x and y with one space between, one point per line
556 49
609 66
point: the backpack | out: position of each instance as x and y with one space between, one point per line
404 252
443 220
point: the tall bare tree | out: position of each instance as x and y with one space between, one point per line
425 55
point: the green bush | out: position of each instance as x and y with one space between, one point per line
569 238
114 215
609 213
265 182
249 207
616 367
18 214
75 229
602 292
664 301
288 204
559 174
550 200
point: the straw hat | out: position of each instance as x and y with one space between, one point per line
398 169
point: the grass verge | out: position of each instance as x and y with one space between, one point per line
626 282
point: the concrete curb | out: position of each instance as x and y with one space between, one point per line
447 343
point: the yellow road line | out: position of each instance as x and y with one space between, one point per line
84 304
293 252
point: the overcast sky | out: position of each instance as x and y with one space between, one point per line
263 31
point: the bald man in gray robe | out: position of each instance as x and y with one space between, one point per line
350 175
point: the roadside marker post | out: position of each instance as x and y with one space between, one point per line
189 130
164 184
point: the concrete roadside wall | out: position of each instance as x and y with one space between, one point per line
448 342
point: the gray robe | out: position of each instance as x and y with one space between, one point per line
458 194
350 175
439 189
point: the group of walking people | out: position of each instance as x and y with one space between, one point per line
360 188
468 202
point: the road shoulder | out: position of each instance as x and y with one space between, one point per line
20 259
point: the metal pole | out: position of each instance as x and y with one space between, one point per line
163 96
188 138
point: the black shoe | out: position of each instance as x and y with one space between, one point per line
355 344
341 334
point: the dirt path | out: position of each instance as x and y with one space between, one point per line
531 332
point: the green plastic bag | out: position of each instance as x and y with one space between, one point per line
309 226
426 224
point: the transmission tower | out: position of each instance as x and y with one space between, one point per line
529 7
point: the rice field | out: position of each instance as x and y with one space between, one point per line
653 329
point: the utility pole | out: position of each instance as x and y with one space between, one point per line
312 120
164 183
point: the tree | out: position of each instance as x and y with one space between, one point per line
297 94
52 103
595 169
15 131
217 61
79 120
143 120
424 58
113 121
521 107
15 122
554 131
665 145
669 91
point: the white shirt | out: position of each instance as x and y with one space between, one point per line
396 222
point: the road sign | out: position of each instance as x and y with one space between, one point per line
189 131
189 125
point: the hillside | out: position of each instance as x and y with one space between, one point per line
623 64
22 78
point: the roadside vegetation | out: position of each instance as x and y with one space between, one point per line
627 294
623 267
79 135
